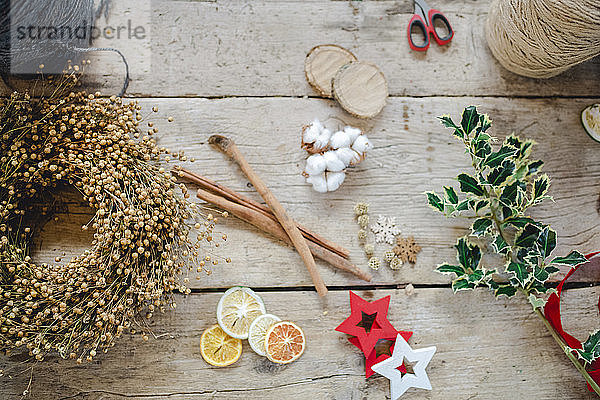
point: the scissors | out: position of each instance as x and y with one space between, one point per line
424 20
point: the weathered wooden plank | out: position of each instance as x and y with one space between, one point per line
486 349
257 48
413 153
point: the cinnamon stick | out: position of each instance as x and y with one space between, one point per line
235 197
228 147
266 224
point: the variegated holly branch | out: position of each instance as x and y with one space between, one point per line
497 196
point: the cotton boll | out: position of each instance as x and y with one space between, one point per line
362 144
315 164
348 156
335 180
340 139
334 164
352 133
317 124
323 139
310 134
318 182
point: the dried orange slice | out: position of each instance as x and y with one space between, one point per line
284 342
236 310
218 348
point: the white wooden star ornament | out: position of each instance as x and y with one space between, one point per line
399 382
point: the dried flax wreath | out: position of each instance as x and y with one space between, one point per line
142 244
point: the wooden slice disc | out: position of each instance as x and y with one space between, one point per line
322 63
361 89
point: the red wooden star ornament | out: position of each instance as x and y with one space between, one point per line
368 322
378 355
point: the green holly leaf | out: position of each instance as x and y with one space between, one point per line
527 236
467 255
469 119
481 204
476 276
468 184
574 258
446 268
463 205
484 124
462 284
499 175
520 272
513 141
528 255
525 149
451 195
540 274
517 222
435 201
590 350
536 302
508 212
540 288
546 242
482 148
511 195
520 173
481 226
448 123
505 290
534 167
540 188
499 245
496 158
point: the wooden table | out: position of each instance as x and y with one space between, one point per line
236 68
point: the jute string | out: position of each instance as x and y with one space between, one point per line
543 38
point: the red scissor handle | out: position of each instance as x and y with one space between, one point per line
427 28
433 16
418 23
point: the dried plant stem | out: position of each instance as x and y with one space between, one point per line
228 147
266 224
235 197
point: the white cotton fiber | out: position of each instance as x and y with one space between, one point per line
348 156
310 134
323 139
335 180
319 183
362 144
315 164
334 164
352 133
340 139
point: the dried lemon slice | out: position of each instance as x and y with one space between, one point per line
284 342
218 348
236 310
258 332
590 118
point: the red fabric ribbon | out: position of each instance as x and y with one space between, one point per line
552 313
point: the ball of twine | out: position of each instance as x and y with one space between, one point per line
16 55
543 38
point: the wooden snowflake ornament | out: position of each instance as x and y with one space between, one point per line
385 229
403 354
407 249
